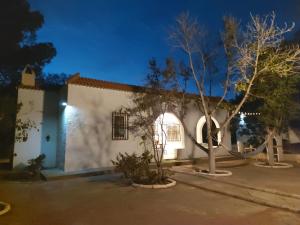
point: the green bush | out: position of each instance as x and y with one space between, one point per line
32 172
136 168
35 166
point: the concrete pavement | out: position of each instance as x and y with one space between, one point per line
105 200
260 195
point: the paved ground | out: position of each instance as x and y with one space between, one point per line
287 180
97 201
266 197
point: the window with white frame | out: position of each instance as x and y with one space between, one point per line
119 126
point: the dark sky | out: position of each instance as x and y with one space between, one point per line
114 40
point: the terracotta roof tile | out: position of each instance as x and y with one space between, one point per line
76 79
89 82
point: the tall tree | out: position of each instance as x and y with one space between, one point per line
18 46
52 80
274 98
150 108
251 54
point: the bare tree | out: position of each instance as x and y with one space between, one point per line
148 112
251 54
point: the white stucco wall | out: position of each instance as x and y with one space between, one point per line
61 129
32 109
293 137
191 120
40 108
81 132
87 126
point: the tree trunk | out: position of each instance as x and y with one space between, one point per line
270 150
212 162
160 173
211 155
279 147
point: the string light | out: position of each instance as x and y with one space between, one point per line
249 113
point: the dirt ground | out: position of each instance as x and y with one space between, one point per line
105 200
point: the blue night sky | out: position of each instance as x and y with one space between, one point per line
114 40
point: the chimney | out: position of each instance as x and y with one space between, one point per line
28 77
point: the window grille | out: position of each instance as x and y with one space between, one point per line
119 126
173 132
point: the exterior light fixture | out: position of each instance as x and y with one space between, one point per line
64 104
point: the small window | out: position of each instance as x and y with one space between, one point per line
173 132
119 126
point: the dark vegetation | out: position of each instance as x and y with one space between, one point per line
32 172
20 48
137 168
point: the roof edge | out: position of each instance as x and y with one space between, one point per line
95 83
73 77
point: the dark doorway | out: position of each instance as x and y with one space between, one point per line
214 131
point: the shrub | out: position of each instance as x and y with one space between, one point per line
35 166
136 168
31 172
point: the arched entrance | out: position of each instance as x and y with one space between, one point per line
170 133
202 132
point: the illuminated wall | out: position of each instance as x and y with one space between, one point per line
88 125
39 107
78 120
89 141
171 146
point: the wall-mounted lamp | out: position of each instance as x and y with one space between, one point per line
48 138
64 104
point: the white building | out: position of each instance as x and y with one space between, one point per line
80 127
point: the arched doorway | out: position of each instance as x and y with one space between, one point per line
202 132
205 136
170 133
